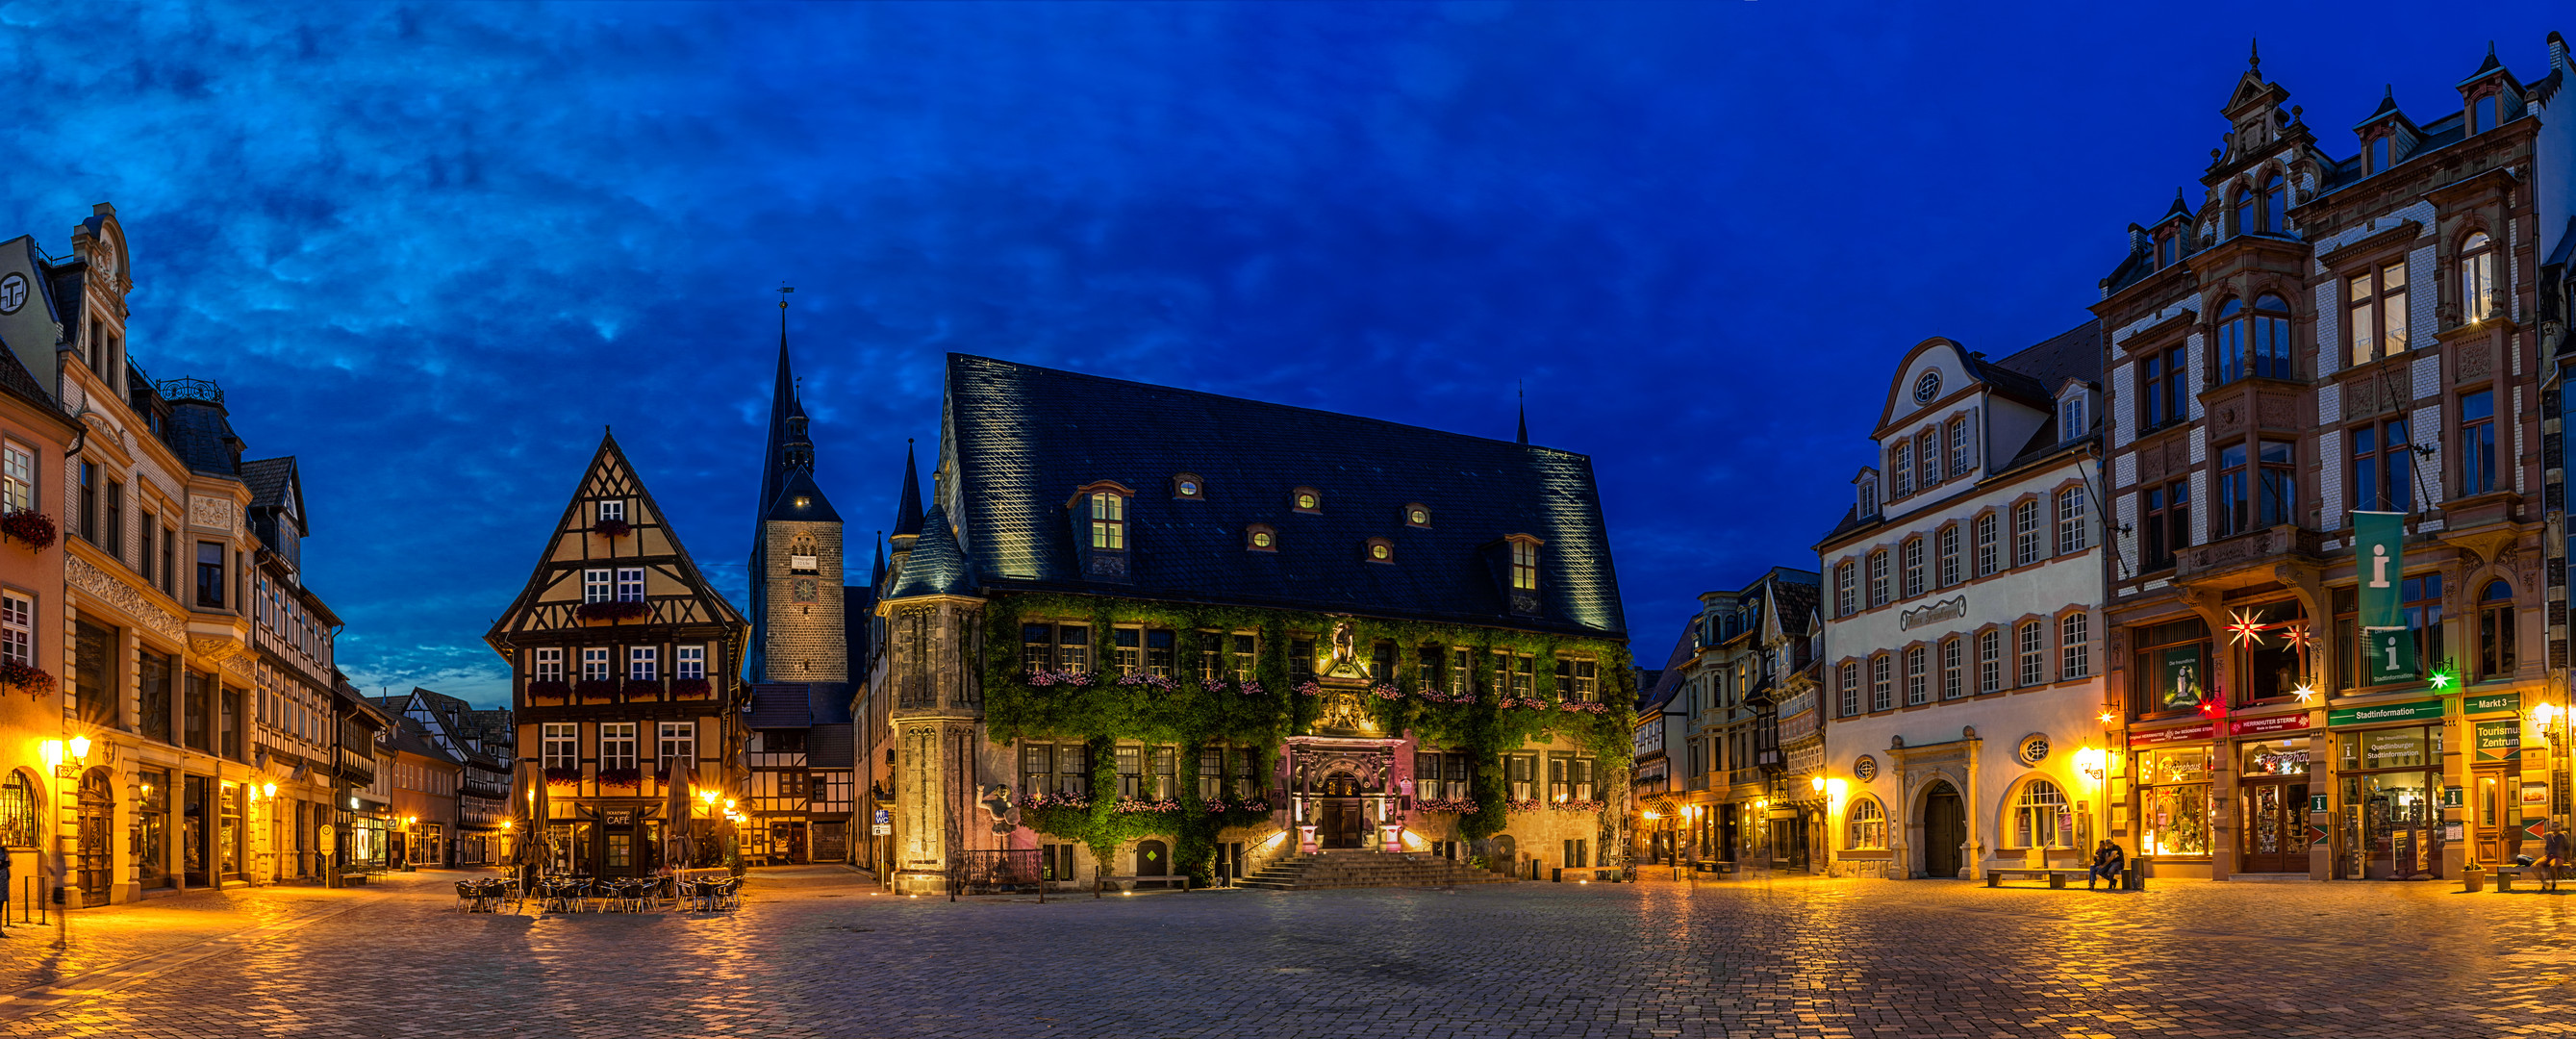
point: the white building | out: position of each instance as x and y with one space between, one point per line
1962 635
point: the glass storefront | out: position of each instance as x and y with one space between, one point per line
152 828
196 803
2392 784
2173 801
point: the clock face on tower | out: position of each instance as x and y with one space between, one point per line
1927 387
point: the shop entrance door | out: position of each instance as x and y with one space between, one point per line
2493 815
2275 829
2398 832
97 840
1945 828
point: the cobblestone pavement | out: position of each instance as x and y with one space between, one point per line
820 956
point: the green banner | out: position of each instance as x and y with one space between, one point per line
2500 741
2509 703
2379 556
2419 710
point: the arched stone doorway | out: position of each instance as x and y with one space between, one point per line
1945 828
97 844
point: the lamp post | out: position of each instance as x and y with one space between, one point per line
67 768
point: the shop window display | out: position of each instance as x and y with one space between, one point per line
2391 783
2173 801
2172 667
2274 797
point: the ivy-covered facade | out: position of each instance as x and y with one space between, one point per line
1144 633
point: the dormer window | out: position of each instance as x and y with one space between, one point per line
1260 538
1307 500
2165 251
1108 521
1186 487
1867 487
2070 417
1378 550
1417 515
2379 155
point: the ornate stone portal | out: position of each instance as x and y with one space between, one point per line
1339 793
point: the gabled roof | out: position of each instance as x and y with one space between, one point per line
2072 354
1025 438
550 599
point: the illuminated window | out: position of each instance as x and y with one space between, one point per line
18 483
2478 299
1306 499
1380 550
2041 819
17 629
1108 521
1260 538
1186 486
1524 566
1865 825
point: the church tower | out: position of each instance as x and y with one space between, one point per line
796 601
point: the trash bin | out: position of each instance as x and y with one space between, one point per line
2476 878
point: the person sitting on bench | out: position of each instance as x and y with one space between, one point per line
2107 861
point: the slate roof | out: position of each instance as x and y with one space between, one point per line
1796 602
1024 438
2072 354
799 483
781 705
907 507
410 738
935 566
832 746
267 478
199 433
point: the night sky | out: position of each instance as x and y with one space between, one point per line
431 250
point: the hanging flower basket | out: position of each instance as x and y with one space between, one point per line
563 775
619 610
621 777
28 525
692 689
26 678
549 689
597 689
643 690
1459 806
612 528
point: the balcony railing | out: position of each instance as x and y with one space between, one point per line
2244 551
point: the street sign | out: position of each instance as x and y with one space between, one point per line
881 829
2491 703
2535 829
2500 740
2316 802
2423 710
2316 835
884 818
2451 797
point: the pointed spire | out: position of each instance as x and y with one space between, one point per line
1523 390
876 570
2254 54
907 510
788 445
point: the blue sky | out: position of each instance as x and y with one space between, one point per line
432 249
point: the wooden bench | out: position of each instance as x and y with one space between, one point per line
2056 877
2504 876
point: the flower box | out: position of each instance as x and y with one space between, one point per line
26 678
612 528
621 777
549 689
614 611
28 525
1440 806
596 689
692 689
563 775
643 690
1043 679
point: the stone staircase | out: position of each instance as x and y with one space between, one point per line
1334 869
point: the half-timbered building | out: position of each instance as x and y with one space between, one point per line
622 660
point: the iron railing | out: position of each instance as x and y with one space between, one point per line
996 871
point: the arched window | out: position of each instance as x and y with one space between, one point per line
2276 204
1865 824
2495 630
2231 341
2041 819
2267 337
19 811
2478 300
2247 220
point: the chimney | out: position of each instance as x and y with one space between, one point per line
2138 242
2557 51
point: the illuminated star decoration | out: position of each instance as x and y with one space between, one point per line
2244 629
2441 679
2299 637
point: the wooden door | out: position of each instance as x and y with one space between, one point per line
2275 830
1342 823
2495 815
97 848
1153 859
1945 828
